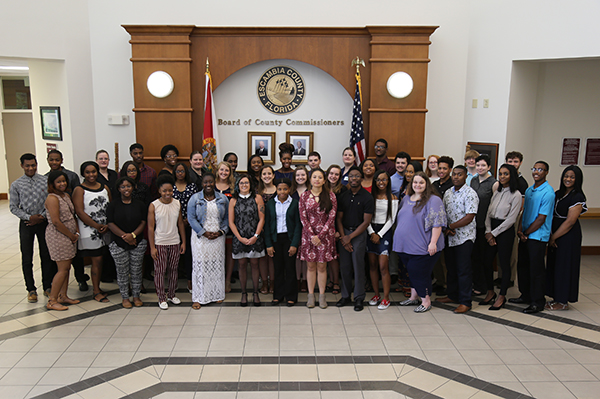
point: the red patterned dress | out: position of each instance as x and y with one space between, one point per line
319 223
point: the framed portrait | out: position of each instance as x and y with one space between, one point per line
303 143
489 149
51 125
263 144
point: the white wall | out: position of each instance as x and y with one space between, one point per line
48 88
59 31
567 106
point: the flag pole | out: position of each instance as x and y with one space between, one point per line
357 134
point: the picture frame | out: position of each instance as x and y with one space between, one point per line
303 143
263 144
489 149
51 123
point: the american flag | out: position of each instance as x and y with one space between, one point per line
357 133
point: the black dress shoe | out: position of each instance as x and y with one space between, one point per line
342 302
83 286
531 309
517 300
358 305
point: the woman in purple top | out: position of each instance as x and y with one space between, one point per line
418 238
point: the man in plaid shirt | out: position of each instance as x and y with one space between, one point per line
27 197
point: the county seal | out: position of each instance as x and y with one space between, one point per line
281 90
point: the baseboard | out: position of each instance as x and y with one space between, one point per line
590 250
3 196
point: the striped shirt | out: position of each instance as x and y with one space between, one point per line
27 196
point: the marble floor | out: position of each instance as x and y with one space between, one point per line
100 350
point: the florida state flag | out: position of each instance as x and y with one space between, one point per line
209 142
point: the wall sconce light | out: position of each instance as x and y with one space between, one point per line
400 85
160 84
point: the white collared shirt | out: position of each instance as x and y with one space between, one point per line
281 209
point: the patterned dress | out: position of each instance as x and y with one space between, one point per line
246 220
184 197
95 203
59 245
317 222
208 273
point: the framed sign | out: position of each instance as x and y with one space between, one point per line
51 125
489 149
569 154
303 143
592 152
263 144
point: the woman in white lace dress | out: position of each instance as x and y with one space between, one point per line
208 215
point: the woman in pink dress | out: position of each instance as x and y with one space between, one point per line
318 207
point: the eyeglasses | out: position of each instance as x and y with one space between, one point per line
180 171
170 156
381 180
538 170
380 147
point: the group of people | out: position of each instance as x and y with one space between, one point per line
303 229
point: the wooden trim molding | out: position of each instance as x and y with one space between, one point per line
3 196
408 110
140 41
163 110
425 60
591 250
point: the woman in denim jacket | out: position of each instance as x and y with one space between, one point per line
208 215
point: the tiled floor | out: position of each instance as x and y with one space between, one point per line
224 351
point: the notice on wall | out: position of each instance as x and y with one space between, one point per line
51 146
570 151
592 152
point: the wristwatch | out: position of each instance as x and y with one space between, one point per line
256 235
133 235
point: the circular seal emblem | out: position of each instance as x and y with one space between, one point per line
281 90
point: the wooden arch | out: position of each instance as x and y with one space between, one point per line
182 50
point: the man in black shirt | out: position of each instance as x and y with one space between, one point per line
445 165
355 210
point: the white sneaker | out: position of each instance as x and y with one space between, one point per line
163 305
174 300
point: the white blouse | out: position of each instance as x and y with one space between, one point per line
381 216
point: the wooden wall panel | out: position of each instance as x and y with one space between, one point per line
381 99
398 129
181 96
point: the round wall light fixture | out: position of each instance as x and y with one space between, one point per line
400 85
160 84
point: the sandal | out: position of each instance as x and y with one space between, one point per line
271 286
265 287
196 306
102 299
54 305
67 300
244 300
329 287
407 292
336 289
556 306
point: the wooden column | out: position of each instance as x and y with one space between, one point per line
161 121
400 121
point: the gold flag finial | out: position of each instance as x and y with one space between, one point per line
207 65
358 62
